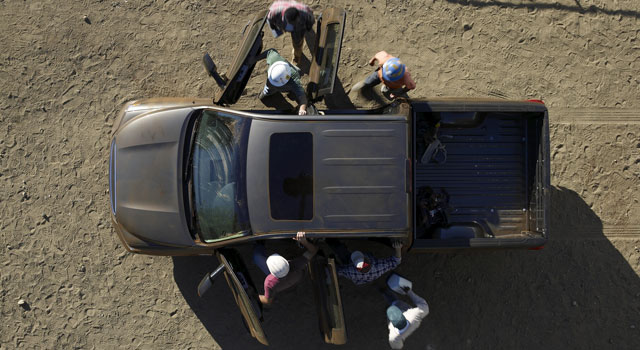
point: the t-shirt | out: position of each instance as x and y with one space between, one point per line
294 85
276 20
274 285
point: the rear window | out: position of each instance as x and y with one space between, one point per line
291 176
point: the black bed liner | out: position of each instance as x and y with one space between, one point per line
493 176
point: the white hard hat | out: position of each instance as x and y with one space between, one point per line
357 258
279 73
278 265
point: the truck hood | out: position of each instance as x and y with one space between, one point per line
148 178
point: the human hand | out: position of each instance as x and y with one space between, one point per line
397 245
372 61
300 237
302 112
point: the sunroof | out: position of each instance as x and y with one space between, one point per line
291 176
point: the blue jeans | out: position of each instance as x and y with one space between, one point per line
372 79
340 250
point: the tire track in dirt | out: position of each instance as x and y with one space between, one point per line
594 115
608 232
599 115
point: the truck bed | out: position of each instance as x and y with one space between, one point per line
491 178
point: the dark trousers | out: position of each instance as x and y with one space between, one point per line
340 250
372 80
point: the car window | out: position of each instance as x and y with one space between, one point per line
291 176
219 158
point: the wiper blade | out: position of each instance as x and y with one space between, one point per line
188 175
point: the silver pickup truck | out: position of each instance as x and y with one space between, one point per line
193 176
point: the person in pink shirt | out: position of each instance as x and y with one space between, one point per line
282 274
293 17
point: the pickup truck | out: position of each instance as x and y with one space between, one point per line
194 176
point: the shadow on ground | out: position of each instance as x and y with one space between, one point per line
577 292
577 6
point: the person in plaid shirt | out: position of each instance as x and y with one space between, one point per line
365 268
293 17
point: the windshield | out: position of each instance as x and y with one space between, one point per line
218 165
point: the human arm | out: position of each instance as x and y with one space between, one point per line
380 57
307 18
261 56
395 339
274 18
296 87
264 300
397 245
303 109
409 84
312 249
420 303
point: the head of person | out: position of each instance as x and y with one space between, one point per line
279 73
361 262
278 266
393 69
290 17
396 318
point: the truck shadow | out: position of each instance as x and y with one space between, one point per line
577 292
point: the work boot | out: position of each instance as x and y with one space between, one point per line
297 56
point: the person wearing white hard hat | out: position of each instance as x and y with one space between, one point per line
282 76
282 274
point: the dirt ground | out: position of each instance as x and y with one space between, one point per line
64 76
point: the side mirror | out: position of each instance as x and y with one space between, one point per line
207 281
210 67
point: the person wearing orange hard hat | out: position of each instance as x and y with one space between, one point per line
391 72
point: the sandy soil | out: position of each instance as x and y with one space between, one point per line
64 76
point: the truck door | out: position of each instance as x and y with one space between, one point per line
328 300
241 69
244 292
326 56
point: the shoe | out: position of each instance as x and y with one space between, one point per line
297 56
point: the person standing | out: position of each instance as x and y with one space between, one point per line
391 72
282 274
403 319
282 76
293 17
